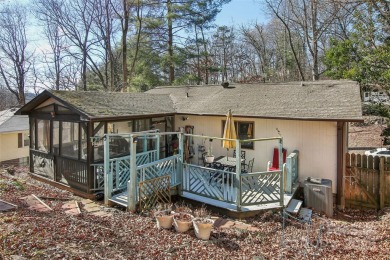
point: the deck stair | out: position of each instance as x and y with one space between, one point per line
305 215
294 207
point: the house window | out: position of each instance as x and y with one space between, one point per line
244 130
20 140
23 140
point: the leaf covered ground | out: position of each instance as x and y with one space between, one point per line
351 234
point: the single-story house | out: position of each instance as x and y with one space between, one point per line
377 96
14 138
312 117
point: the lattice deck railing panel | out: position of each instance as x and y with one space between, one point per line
120 170
260 188
167 166
151 192
121 174
211 183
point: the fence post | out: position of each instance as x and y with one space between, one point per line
238 175
179 177
132 183
107 173
382 183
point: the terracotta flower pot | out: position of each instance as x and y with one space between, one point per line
164 219
182 222
203 228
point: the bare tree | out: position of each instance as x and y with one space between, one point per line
74 19
104 29
7 99
15 60
312 19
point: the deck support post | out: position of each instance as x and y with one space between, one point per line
282 169
179 177
132 183
107 172
238 175
158 147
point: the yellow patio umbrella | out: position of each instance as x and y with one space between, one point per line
229 132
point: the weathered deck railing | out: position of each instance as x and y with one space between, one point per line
210 183
119 171
166 166
259 188
256 188
291 171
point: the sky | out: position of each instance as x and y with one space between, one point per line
239 12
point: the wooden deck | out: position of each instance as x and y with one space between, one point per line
227 208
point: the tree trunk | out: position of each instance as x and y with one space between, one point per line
206 64
315 69
197 57
84 69
170 44
125 29
137 45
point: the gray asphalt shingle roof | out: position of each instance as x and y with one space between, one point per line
12 123
100 104
324 100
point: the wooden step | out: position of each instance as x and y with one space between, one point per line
294 206
305 214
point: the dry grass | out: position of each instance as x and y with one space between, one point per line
55 235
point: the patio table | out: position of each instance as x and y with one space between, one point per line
228 161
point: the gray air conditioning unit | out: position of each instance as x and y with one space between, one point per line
318 195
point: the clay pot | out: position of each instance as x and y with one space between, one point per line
164 219
203 227
182 222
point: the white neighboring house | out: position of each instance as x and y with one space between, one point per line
14 138
380 96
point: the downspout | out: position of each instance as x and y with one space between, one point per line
341 137
282 169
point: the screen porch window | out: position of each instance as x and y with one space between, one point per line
244 130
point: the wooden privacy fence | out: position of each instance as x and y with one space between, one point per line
367 181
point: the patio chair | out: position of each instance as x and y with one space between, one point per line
216 176
217 166
243 154
274 165
248 167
